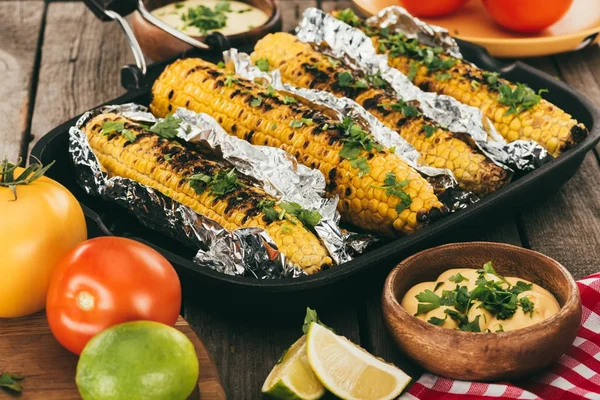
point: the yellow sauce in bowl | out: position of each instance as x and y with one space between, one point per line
201 17
480 301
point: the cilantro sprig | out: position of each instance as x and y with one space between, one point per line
394 187
167 128
263 64
497 296
11 382
519 98
404 107
220 183
110 127
308 218
355 141
205 18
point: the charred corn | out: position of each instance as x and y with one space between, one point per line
378 191
301 65
170 168
516 110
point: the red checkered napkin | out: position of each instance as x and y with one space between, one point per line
576 375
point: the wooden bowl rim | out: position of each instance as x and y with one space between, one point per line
571 302
275 14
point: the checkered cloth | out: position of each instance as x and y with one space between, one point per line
576 375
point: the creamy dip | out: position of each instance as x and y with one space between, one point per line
529 305
191 18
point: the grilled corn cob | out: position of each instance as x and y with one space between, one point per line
378 191
304 66
516 111
142 156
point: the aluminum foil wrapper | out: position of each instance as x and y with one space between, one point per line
247 251
343 107
399 20
340 40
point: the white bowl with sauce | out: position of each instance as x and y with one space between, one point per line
245 22
482 356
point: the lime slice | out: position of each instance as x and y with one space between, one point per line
350 372
292 377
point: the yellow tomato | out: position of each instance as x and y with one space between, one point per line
36 230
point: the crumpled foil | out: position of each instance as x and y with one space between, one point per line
398 19
343 107
340 40
245 251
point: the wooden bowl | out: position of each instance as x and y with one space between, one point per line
159 45
482 356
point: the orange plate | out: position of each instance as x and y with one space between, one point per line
579 28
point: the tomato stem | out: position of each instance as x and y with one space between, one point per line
29 174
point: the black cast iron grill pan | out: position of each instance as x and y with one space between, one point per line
341 282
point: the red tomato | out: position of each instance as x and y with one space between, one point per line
432 8
527 15
107 281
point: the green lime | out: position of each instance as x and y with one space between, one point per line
142 360
292 377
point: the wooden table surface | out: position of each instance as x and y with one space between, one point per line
57 60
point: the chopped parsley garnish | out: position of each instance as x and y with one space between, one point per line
429 130
457 278
475 85
361 164
221 64
289 100
270 92
112 126
129 135
179 5
437 321
355 140
443 77
412 71
220 183
498 297
377 81
297 123
256 101
263 64
519 99
346 80
348 17
167 128
206 19
394 187
230 79
11 382
405 108
308 218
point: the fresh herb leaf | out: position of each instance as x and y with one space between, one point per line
427 301
475 85
492 78
437 321
519 99
527 306
361 164
220 184
206 19
472 326
270 92
345 79
437 286
298 123
112 126
230 79
289 100
392 149
179 5
521 287
377 81
221 64
11 382
443 77
310 317
274 126
350 150
429 130
256 101
268 209
286 228
348 17
167 128
393 187
355 140
129 135
309 218
457 278
500 328
405 108
263 64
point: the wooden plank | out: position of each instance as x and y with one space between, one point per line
81 60
20 24
246 347
566 226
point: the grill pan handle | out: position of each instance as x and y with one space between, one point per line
121 7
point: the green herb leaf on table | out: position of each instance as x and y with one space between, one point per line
10 382
310 317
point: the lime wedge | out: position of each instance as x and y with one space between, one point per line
350 372
292 377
